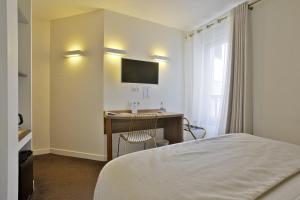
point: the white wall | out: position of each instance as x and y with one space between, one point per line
41 86
76 114
8 100
142 39
275 36
25 64
3 101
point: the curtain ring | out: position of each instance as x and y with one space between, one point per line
199 30
209 25
191 34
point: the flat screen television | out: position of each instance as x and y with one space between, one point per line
137 71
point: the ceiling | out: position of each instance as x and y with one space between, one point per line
180 14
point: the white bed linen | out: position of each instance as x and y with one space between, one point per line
237 166
288 190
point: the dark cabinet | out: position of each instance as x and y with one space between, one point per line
25 175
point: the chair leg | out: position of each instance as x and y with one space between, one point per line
154 140
144 145
118 147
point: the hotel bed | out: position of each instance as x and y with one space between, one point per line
235 166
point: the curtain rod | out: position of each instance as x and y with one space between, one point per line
219 20
250 6
207 26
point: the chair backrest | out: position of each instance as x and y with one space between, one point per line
143 124
187 126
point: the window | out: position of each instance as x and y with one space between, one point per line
207 74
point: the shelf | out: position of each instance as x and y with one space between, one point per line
21 74
21 17
23 133
25 136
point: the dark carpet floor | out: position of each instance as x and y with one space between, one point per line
64 178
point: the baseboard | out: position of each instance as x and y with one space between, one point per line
77 154
37 152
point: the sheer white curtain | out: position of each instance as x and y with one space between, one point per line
207 76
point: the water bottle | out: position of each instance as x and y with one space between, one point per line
134 108
162 109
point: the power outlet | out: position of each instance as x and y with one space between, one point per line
146 92
135 89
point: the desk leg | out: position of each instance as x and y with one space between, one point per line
173 130
109 139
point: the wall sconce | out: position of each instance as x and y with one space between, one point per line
160 58
117 52
75 53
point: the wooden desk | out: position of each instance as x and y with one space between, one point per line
171 122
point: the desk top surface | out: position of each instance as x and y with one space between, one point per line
126 114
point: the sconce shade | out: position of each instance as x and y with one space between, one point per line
112 51
160 58
75 53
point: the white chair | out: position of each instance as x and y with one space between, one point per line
142 129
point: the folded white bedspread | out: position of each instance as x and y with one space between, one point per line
232 167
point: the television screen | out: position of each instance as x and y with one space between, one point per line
136 71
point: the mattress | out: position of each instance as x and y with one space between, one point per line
235 166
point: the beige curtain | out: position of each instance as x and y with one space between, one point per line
240 98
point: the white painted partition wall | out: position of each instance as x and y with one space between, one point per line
24 64
8 100
76 113
40 86
276 72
